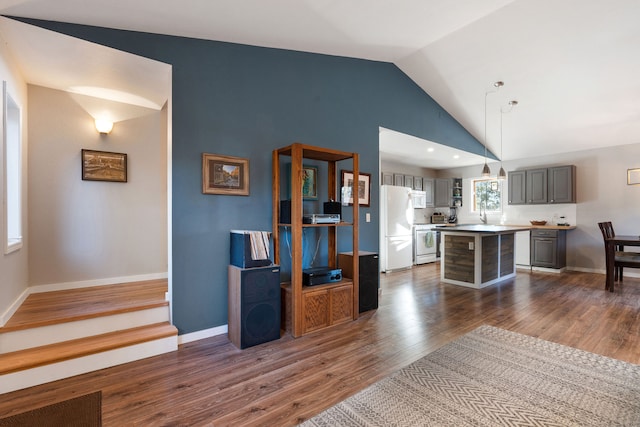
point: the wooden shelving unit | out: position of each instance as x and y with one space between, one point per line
307 309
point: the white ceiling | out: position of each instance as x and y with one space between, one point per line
406 149
573 65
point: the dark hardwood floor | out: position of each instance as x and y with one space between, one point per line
210 382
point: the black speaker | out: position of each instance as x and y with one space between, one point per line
285 211
369 282
332 208
368 277
254 305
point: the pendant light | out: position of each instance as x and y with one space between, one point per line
486 172
502 175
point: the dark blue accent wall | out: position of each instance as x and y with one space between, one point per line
247 101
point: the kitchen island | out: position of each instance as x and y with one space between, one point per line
478 255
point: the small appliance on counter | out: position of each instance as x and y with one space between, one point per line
438 218
453 217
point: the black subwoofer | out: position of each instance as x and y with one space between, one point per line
254 305
369 282
368 277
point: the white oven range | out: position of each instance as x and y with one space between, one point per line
425 243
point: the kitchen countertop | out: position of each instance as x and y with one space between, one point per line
524 227
485 228
550 227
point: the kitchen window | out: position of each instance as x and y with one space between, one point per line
486 195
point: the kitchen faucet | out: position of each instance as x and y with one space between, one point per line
483 215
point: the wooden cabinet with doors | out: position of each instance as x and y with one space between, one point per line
537 186
548 248
543 185
429 191
562 184
310 308
517 182
443 192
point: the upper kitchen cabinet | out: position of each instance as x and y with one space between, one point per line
562 184
543 185
537 186
443 193
517 187
428 188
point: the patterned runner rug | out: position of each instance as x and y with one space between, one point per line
493 377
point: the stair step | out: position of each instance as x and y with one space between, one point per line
53 353
48 308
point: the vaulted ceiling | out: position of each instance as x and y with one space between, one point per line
572 65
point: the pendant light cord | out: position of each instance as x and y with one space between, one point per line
485 170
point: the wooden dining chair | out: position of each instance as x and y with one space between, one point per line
621 258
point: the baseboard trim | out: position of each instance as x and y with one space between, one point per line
205 333
11 310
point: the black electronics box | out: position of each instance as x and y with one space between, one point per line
285 211
241 251
319 275
332 208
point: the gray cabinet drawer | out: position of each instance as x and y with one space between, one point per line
543 232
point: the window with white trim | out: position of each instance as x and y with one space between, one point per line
486 195
12 145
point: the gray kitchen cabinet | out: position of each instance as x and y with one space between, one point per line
442 193
548 248
428 188
562 184
536 186
517 187
542 185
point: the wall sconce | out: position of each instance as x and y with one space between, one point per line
104 126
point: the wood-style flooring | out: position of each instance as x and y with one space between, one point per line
281 383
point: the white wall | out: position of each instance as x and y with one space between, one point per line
13 266
89 230
602 195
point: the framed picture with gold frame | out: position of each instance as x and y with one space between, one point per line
225 175
104 166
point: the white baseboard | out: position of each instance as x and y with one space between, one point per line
205 333
11 310
549 270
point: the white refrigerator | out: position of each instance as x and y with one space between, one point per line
396 228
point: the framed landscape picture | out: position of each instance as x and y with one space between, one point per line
364 188
225 175
309 182
104 166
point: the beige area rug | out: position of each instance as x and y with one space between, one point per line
81 411
493 377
